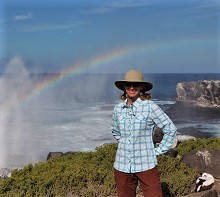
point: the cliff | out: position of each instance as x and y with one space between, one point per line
196 99
202 93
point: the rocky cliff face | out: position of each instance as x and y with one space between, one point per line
196 99
202 93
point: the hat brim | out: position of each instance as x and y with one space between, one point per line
147 85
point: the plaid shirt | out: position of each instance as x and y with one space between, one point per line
132 126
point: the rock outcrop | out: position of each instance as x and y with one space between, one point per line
196 99
202 93
5 172
196 133
214 192
204 161
52 155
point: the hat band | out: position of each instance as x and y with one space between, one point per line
133 80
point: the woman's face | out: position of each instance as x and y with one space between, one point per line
133 89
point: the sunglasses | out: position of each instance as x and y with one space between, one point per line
133 84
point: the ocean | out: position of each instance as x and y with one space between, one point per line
72 114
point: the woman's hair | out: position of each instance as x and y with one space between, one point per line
143 96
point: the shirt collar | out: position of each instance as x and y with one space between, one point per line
135 104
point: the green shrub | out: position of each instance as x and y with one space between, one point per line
82 173
176 177
189 145
90 174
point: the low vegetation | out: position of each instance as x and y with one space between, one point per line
90 174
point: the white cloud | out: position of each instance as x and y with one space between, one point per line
120 4
99 10
23 17
130 3
69 27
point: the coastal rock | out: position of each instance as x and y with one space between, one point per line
213 192
5 172
196 99
183 134
202 93
191 131
57 154
204 161
54 154
157 135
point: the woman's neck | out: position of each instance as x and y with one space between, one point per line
131 100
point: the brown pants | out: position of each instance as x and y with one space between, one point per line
126 183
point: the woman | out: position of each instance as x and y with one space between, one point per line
133 121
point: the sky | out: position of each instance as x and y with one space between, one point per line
153 36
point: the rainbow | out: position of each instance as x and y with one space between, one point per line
78 68
104 59
115 55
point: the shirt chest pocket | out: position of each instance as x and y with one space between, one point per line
124 123
142 123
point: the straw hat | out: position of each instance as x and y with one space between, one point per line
135 77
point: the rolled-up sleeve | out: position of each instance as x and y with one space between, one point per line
167 126
115 126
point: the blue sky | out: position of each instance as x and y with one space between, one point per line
172 36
